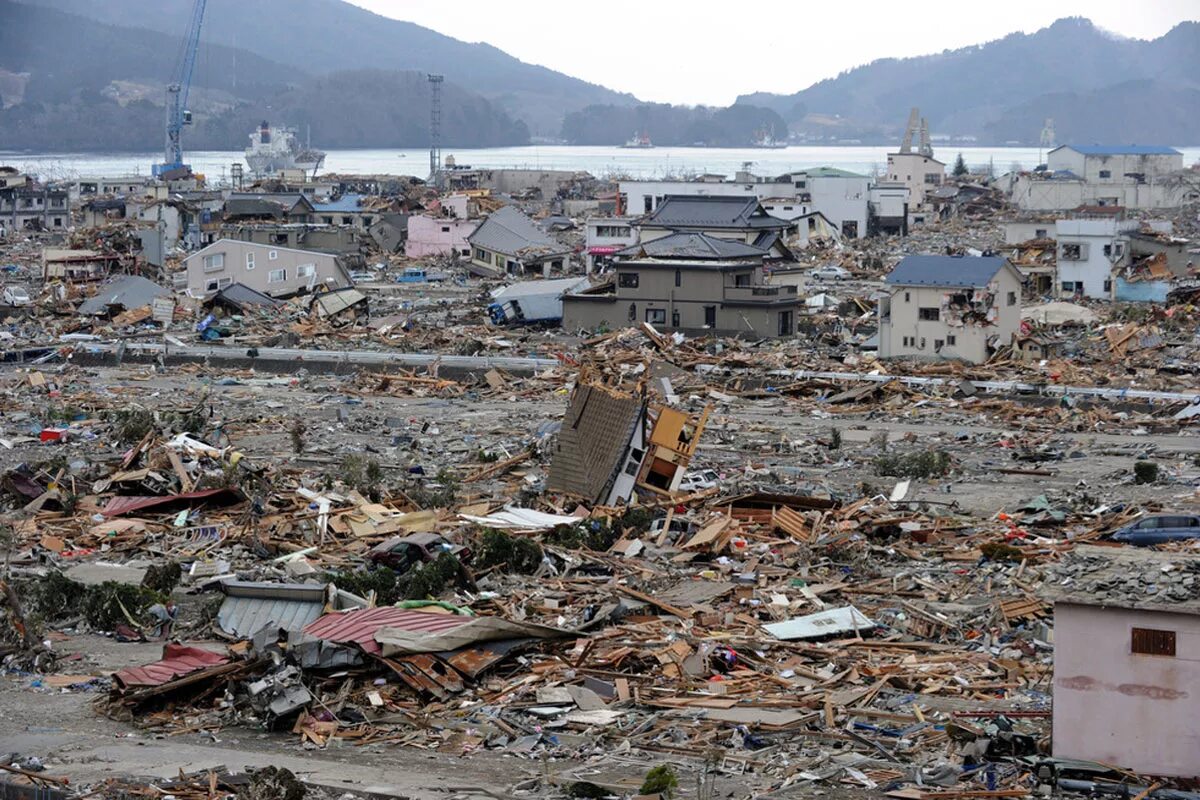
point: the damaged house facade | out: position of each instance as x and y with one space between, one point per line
274 271
693 282
508 242
1091 248
949 307
614 444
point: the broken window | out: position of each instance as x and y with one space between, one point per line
1108 284
1072 252
656 316
306 270
1012 298
627 280
1105 173
710 316
445 229
929 314
907 297
952 340
1039 233
741 279
938 344
1151 642
648 203
633 312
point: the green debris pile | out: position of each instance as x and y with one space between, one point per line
514 553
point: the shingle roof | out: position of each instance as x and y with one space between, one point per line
1126 577
591 444
712 211
130 291
692 245
1121 149
964 271
508 231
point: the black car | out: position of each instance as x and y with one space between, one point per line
1158 529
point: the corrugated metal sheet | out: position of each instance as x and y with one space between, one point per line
359 626
250 607
176 662
126 505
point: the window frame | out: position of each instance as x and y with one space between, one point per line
282 272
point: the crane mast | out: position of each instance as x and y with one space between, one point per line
177 95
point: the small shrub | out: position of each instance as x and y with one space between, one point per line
879 440
105 606
297 433
432 578
1145 472
162 578
443 495
487 457
926 464
835 439
133 424
516 553
660 780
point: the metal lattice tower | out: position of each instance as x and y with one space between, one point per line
435 125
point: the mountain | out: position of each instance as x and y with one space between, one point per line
320 37
1090 82
106 92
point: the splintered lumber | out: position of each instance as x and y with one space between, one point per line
498 468
645 598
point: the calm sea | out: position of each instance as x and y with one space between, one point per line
600 161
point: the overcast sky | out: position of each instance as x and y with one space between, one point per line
703 51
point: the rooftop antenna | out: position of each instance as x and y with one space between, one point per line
435 125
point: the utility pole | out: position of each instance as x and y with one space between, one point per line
435 126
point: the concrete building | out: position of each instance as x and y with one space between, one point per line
1130 176
508 242
125 186
1090 249
438 236
1114 164
336 241
77 265
272 270
33 207
689 281
644 197
1127 659
949 307
887 209
274 206
841 196
348 210
605 236
1020 231
914 166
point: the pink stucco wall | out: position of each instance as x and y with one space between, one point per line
426 237
1137 711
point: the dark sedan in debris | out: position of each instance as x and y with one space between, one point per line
402 553
1158 529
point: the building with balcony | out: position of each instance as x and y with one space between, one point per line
689 281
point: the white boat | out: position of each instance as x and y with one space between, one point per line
640 141
275 149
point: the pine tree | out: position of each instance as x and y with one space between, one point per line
960 166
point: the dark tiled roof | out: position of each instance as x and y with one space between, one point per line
692 245
591 445
703 211
964 271
241 295
251 207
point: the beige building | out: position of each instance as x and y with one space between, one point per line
270 269
920 173
691 282
949 307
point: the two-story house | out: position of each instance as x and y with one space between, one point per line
606 236
33 207
1091 246
270 269
949 307
689 281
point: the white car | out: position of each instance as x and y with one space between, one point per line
699 481
16 296
831 272
363 277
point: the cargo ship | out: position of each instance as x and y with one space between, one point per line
275 149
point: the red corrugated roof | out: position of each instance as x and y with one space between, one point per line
176 662
223 495
359 626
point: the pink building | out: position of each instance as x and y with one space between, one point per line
436 236
1127 660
